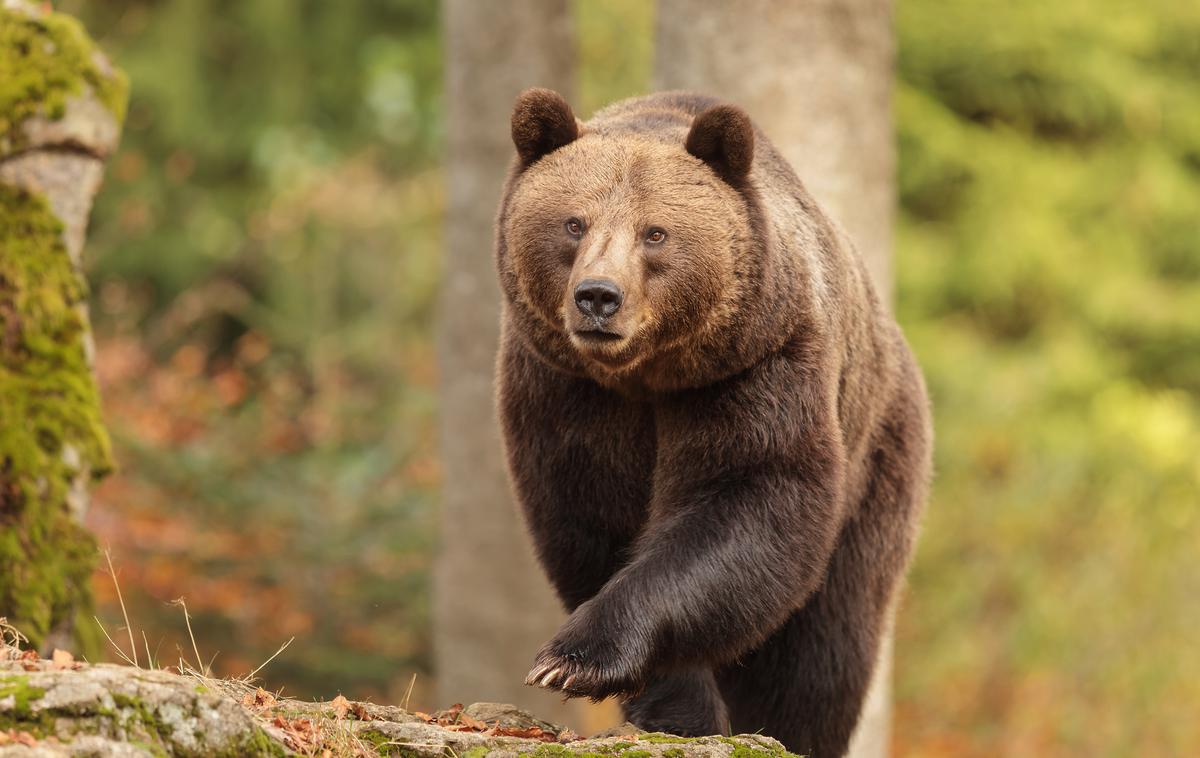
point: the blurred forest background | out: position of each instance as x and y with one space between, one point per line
264 259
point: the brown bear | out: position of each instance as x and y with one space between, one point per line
718 436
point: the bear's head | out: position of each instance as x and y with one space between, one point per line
629 245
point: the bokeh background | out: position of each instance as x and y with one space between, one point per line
264 260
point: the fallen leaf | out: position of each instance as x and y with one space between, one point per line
360 712
528 733
300 734
450 715
259 699
20 738
61 659
340 706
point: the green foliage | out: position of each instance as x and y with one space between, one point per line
265 258
44 59
614 40
50 426
237 103
1049 246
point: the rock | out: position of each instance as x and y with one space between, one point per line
67 711
89 710
508 716
623 730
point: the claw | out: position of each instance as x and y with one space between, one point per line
537 672
549 677
567 684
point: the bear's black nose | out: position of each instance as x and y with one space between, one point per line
598 298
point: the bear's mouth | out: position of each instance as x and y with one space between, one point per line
598 335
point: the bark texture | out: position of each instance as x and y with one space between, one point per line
816 76
493 608
61 106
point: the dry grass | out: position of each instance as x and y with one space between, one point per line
11 640
314 733
307 728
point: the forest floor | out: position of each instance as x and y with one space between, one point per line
63 707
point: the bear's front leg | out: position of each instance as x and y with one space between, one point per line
744 517
580 458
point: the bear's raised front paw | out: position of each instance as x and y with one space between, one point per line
583 672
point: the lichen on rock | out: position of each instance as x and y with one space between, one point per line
45 59
120 710
50 426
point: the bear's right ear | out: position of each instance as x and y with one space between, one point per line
723 137
541 123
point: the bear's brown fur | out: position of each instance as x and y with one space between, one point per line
724 475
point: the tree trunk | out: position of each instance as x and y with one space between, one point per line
492 608
61 105
816 75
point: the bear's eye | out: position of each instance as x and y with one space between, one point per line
656 236
574 227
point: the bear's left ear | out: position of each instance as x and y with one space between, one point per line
541 123
723 137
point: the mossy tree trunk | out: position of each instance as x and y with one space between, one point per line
61 106
817 75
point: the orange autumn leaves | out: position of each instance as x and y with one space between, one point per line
453 719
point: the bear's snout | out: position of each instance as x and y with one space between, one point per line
598 299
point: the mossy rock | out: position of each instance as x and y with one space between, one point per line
114 710
121 710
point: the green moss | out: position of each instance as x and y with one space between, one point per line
740 749
44 59
476 752
22 692
744 751
379 742
22 716
616 750
135 720
256 743
382 745
50 408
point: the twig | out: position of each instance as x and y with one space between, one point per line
149 658
124 613
263 665
116 647
408 694
187 619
